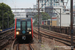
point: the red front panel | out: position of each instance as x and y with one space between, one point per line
32 27
15 28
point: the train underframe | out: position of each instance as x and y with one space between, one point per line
24 38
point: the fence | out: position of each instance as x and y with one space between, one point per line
7 29
65 30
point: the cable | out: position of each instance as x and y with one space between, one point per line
67 2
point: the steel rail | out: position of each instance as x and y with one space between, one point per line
67 42
4 40
59 40
17 47
31 48
51 32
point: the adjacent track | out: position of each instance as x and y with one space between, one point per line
5 38
63 38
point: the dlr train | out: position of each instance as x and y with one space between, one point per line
23 29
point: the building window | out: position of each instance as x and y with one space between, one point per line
57 4
45 4
45 1
42 4
54 4
42 1
61 0
54 1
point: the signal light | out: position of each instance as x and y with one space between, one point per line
27 16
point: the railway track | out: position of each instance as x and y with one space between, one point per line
57 37
24 47
19 46
30 46
55 33
5 38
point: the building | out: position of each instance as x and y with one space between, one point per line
19 14
56 9
48 6
47 3
35 6
59 18
65 21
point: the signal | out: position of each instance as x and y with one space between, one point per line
27 16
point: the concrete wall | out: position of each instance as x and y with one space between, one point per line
65 20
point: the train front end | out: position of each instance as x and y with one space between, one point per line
23 29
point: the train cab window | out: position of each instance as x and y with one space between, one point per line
23 25
28 25
18 25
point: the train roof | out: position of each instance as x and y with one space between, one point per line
24 19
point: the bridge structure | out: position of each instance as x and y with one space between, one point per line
22 12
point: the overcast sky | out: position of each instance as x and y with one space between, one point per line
19 3
24 3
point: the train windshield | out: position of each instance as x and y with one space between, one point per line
23 25
28 25
18 25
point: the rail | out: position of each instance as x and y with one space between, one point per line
6 38
27 45
65 30
57 38
31 48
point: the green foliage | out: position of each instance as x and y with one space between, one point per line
5 14
35 23
43 15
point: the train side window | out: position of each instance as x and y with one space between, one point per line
28 25
18 25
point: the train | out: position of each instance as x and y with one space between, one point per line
24 29
49 22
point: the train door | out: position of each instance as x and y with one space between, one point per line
23 27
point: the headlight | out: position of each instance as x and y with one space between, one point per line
17 33
29 32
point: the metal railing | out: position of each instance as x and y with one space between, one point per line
65 30
4 30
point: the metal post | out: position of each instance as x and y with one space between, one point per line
39 37
60 20
51 20
72 25
63 2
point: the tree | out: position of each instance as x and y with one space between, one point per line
6 16
43 16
